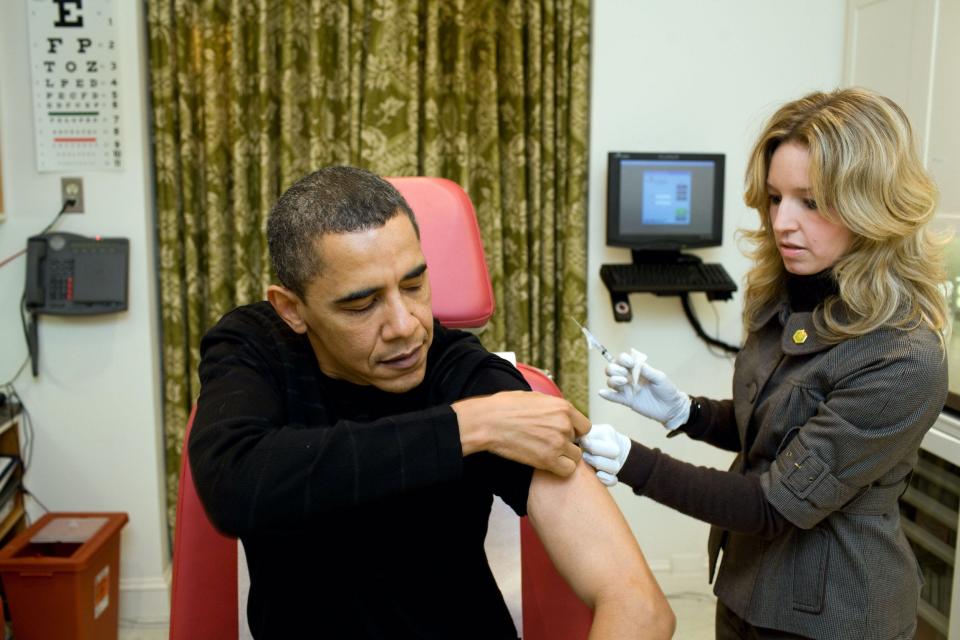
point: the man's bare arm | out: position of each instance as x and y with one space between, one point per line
593 548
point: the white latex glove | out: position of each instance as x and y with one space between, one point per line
605 449
646 390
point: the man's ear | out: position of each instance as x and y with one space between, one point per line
287 304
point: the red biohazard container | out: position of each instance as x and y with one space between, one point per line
61 577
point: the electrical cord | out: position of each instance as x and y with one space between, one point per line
23 298
69 202
16 375
9 259
688 310
29 334
25 326
66 203
716 351
30 494
26 450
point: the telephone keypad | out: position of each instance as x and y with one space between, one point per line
61 279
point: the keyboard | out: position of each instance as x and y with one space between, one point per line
668 278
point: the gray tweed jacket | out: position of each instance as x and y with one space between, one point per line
833 431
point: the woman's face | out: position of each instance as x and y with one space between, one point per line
808 242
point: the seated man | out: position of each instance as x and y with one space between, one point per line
354 445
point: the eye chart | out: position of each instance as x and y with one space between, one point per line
76 84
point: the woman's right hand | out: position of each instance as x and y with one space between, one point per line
635 384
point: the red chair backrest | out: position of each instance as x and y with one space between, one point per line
450 240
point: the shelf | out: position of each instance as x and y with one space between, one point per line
15 520
926 540
7 424
933 508
933 617
937 475
12 519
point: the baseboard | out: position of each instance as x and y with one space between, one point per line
683 584
145 601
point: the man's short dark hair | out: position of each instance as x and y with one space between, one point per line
331 200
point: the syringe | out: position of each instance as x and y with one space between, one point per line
592 341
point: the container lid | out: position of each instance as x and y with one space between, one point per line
68 529
87 532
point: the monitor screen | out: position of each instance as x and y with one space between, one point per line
664 201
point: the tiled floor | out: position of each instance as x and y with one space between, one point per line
134 632
689 596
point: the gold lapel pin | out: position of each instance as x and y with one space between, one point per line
799 336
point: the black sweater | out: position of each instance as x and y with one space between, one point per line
359 515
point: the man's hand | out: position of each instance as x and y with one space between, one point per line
646 390
528 427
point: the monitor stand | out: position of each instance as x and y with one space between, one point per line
661 256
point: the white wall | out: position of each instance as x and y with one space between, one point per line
96 402
688 76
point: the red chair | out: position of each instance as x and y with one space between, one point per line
205 597
204 593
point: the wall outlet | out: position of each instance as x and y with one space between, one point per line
71 189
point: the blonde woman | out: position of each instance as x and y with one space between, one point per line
842 373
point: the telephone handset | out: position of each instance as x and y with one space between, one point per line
69 274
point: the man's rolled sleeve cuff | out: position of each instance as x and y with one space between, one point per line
802 487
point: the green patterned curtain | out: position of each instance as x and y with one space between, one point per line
249 95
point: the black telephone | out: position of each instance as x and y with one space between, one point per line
69 274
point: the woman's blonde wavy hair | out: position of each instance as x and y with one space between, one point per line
865 174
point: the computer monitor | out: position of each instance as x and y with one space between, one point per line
664 202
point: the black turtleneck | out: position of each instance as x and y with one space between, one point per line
806 292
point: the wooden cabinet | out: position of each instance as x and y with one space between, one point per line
12 514
930 514
929 517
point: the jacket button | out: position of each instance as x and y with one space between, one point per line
752 391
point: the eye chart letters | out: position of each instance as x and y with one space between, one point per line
76 89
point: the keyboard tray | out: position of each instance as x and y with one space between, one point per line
672 278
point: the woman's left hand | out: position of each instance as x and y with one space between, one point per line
605 449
